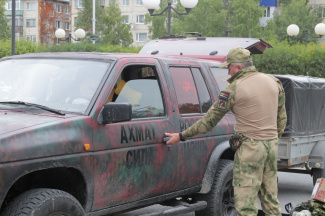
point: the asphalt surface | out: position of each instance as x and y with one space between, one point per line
293 188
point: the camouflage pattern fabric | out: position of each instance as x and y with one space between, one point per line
255 164
226 102
255 173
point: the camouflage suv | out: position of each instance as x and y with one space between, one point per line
83 134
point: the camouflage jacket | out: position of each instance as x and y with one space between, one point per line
225 103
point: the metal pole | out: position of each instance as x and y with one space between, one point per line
169 17
306 39
69 40
94 18
13 26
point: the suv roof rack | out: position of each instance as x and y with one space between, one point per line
172 36
194 33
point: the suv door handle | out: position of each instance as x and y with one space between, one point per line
166 139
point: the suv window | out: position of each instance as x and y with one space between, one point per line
221 76
192 93
204 96
139 86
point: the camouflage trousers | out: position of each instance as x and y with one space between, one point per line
255 174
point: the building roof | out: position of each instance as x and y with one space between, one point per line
268 3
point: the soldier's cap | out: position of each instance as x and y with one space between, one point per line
236 55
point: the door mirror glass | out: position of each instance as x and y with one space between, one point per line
115 112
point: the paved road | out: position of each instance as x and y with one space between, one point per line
293 188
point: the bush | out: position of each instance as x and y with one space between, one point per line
89 47
296 59
22 46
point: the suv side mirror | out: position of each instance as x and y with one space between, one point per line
115 112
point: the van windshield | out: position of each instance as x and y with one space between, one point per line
67 85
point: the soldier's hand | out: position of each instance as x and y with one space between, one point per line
174 138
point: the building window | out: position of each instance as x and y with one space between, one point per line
19 21
78 4
126 2
75 20
58 8
139 3
57 24
66 9
140 19
126 20
31 38
67 26
267 12
19 5
31 5
141 37
102 3
31 22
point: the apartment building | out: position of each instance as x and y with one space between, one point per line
37 20
269 12
320 4
133 11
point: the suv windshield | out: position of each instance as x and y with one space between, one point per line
67 85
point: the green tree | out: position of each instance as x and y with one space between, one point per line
85 16
297 12
158 24
244 18
4 28
207 18
114 30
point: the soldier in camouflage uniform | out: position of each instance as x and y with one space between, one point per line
258 102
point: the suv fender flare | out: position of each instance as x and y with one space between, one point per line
212 165
317 155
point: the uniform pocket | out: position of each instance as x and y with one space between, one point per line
242 182
251 152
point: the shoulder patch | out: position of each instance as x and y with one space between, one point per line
224 95
222 104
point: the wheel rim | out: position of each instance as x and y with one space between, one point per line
228 200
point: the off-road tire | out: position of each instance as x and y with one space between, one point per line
44 202
317 173
220 199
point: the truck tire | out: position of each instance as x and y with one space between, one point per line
44 202
317 173
220 199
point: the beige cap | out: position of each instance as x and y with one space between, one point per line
237 55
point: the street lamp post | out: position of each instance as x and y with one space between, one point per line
79 33
151 5
293 31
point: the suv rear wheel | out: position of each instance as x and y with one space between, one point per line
220 199
44 202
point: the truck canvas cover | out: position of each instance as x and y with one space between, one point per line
305 101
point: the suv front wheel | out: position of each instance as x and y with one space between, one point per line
220 199
44 202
